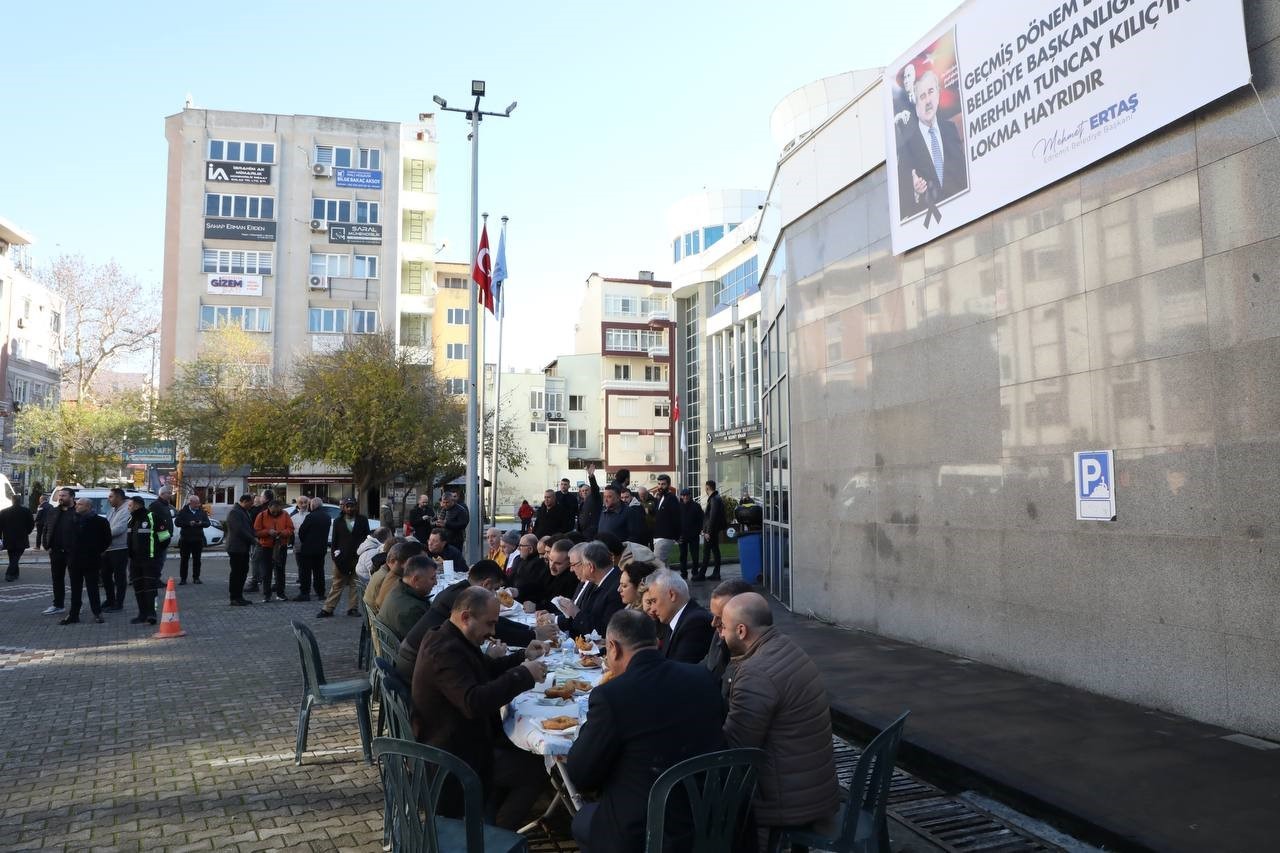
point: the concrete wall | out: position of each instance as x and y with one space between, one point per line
937 397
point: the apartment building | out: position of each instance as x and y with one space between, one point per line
299 229
447 324
627 323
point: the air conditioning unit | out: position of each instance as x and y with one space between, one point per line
648 457
319 225
557 416
322 170
536 414
318 282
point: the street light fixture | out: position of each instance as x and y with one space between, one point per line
474 478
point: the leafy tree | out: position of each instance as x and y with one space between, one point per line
80 442
107 315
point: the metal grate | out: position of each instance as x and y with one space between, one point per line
952 824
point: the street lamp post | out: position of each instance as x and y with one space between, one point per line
473 475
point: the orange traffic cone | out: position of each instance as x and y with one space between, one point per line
169 624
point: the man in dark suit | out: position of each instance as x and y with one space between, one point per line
713 524
717 659
688 621
690 532
552 517
931 165
421 518
16 524
349 530
631 737
440 550
589 502
529 573
90 541
458 694
666 519
598 599
561 580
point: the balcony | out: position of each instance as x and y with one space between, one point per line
659 317
633 385
662 351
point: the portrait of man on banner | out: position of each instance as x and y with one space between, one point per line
929 129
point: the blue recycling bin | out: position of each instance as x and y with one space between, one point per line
750 556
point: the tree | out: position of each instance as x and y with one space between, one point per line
106 316
80 442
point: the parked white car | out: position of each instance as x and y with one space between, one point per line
333 511
213 534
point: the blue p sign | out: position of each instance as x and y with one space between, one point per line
1095 486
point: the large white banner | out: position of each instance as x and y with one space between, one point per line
1002 98
235 284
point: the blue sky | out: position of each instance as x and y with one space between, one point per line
623 109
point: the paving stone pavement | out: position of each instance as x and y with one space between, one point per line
113 740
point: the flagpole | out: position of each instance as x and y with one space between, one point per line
480 395
497 381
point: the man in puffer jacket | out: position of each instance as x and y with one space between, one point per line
777 703
366 550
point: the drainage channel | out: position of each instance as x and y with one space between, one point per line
945 821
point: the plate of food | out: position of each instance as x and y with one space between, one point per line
553 701
506 599
567 689
588 662
561 725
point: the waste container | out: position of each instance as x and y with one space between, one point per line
750 556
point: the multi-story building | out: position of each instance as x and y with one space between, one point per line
31 317
715 284
627 323
448 324
299 229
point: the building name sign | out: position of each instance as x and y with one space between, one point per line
355 233
740 433
231 284
225 172
992 105
256 230
361 179
154 453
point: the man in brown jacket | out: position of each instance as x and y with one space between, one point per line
777 703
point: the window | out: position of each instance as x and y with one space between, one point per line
577 403
629 440
367 211
242 152
454 283
557 434
456 352
415 226
415 176
712 235
536 400
537 426
455 386
330 155
653 304
364 322
18 390
331 209
414 330
338 266
662 410
457 316
247 317
739 281
623 305
577 439
327 320
370 158
225 260
632 340
55 322
555 401
412 280
628 407
240 206
652 373
366 266
622 371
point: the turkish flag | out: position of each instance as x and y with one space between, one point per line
481 274
675 409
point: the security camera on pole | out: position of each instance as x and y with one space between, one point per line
474 478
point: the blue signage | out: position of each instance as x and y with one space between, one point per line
1095 485
361 179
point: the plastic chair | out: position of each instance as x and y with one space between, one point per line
864 825
396 700
719 786
364 647
317 691
413 774
385 645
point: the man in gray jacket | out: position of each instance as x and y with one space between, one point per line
115 562
777 703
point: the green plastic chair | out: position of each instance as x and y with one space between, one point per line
364 647
413 774
396 699
317 691
385 645
719 786
863 819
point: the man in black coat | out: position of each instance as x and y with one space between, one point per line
713 525
690 533
718 655
16 524
458 696
551 517
313 540
666 519
568 500
42 506
688 621
59 533
561 580
421 518
599 599
631 737
589 504
91 539
440 549
529 573
349 530
240 541
190 522
625 522
454 518
931 167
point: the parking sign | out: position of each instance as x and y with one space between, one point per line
1095 486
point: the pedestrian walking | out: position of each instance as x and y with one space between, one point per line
191 523
240 543
312 540
115 562
691 518
59 532
145 545
84 559
274 530
42 511
713 524
16 524
525 514
348 532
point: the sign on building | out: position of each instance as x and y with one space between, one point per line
355 233
152 453
235 284
992 105
221 171
361 179
258 230
1095 485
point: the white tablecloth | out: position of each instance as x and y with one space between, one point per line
520 718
